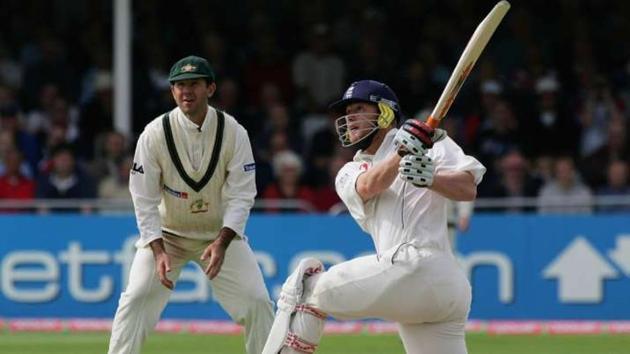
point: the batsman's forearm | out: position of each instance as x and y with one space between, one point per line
455 185
378 178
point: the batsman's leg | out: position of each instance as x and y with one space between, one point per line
307 325
434 338
140 305
297 327
241 291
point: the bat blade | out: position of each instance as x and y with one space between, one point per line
467 61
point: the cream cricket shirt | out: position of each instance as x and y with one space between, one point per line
191 181
404 213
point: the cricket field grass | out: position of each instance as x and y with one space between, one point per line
96 343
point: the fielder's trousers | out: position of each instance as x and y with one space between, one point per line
239 289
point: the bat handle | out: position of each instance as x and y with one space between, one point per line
432 122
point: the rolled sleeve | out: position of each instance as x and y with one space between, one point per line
239 189
450 157
144 185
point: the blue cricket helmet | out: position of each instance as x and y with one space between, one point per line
368 91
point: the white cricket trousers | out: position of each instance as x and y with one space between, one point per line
424 291
239 289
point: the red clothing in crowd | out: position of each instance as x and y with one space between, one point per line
16 187
303 193
326 198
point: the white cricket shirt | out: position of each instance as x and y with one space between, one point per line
187 200
403 212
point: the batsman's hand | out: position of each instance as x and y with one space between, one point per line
418 170
416 137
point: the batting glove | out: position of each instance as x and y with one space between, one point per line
416 137
418 170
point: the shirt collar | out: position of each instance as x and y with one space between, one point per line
189 125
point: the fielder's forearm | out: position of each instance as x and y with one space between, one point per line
226 235
157 246
455 185
378 177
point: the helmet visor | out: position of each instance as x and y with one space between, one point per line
356 127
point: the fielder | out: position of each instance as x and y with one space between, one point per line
401 201
192 184
458 219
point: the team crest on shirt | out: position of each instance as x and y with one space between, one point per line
199 206
364 166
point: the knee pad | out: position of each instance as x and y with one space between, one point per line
305 330
297 326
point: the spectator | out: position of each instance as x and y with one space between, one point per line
267 65
13 183
7 144
24 141
97 113
565 193
598 112
322 146
543 168
499 135
116 186
326 196
617 186
278 119
51 65
270 96
287 168
111 149
551 126
56 137
514 182
616 147
318 73
228 99
65 180
53 109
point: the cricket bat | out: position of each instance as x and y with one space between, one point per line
467 60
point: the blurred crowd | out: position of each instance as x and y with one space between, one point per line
546 108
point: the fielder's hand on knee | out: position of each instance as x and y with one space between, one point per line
162 262
215 252
416 137
417 170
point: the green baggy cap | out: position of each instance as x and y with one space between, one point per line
191 67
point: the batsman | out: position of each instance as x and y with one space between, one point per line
396 188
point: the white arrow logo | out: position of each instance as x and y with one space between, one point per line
580 270
621 254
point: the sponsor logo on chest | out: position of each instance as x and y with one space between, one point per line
174 193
